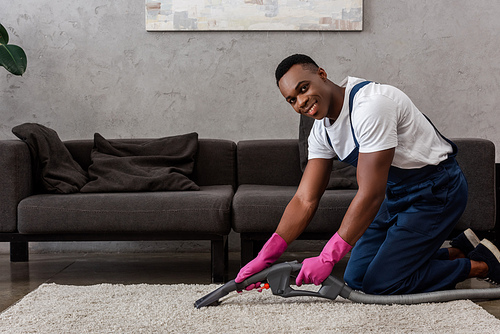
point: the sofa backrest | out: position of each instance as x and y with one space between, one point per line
215 162
269 162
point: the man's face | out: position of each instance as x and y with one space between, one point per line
307 91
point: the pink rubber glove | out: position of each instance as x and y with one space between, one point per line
316 269
269 253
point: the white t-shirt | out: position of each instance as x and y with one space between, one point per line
383 117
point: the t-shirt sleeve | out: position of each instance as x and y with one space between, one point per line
318 147
375 123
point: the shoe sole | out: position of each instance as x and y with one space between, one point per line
472 237
492 248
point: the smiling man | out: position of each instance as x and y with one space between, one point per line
411 190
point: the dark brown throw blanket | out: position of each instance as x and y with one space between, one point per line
117 165
151 165
55 170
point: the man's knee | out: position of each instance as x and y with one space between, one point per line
353 280
377 284
367 285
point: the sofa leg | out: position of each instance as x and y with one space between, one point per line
220 260
246 254
19 251
249 250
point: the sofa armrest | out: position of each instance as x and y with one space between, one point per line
269 162
16 181
476 158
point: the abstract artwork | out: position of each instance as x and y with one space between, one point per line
260 15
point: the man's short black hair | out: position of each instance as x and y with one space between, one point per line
289 61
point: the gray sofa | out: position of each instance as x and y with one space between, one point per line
265 174
163 215
269 172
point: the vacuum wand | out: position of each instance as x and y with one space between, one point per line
278 277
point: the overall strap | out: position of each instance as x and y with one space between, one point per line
453 145
353 92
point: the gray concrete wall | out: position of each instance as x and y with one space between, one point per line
92 67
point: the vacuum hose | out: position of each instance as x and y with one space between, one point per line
426 297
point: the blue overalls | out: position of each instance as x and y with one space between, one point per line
400 251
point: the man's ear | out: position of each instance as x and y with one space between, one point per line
322 74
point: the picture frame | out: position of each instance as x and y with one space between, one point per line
254 15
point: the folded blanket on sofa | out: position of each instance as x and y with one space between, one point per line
54 168
149 165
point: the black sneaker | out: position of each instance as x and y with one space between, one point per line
487 252
466 241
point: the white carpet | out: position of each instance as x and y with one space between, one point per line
108 308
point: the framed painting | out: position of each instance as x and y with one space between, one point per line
260 15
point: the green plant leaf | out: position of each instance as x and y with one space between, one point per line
13 58
4 36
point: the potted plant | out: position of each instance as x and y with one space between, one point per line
12 57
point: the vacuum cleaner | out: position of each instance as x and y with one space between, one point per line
278 277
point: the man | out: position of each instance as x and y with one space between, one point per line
411 190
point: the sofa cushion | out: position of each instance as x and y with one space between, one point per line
343 175
54 168
204 211
258 208
151 165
